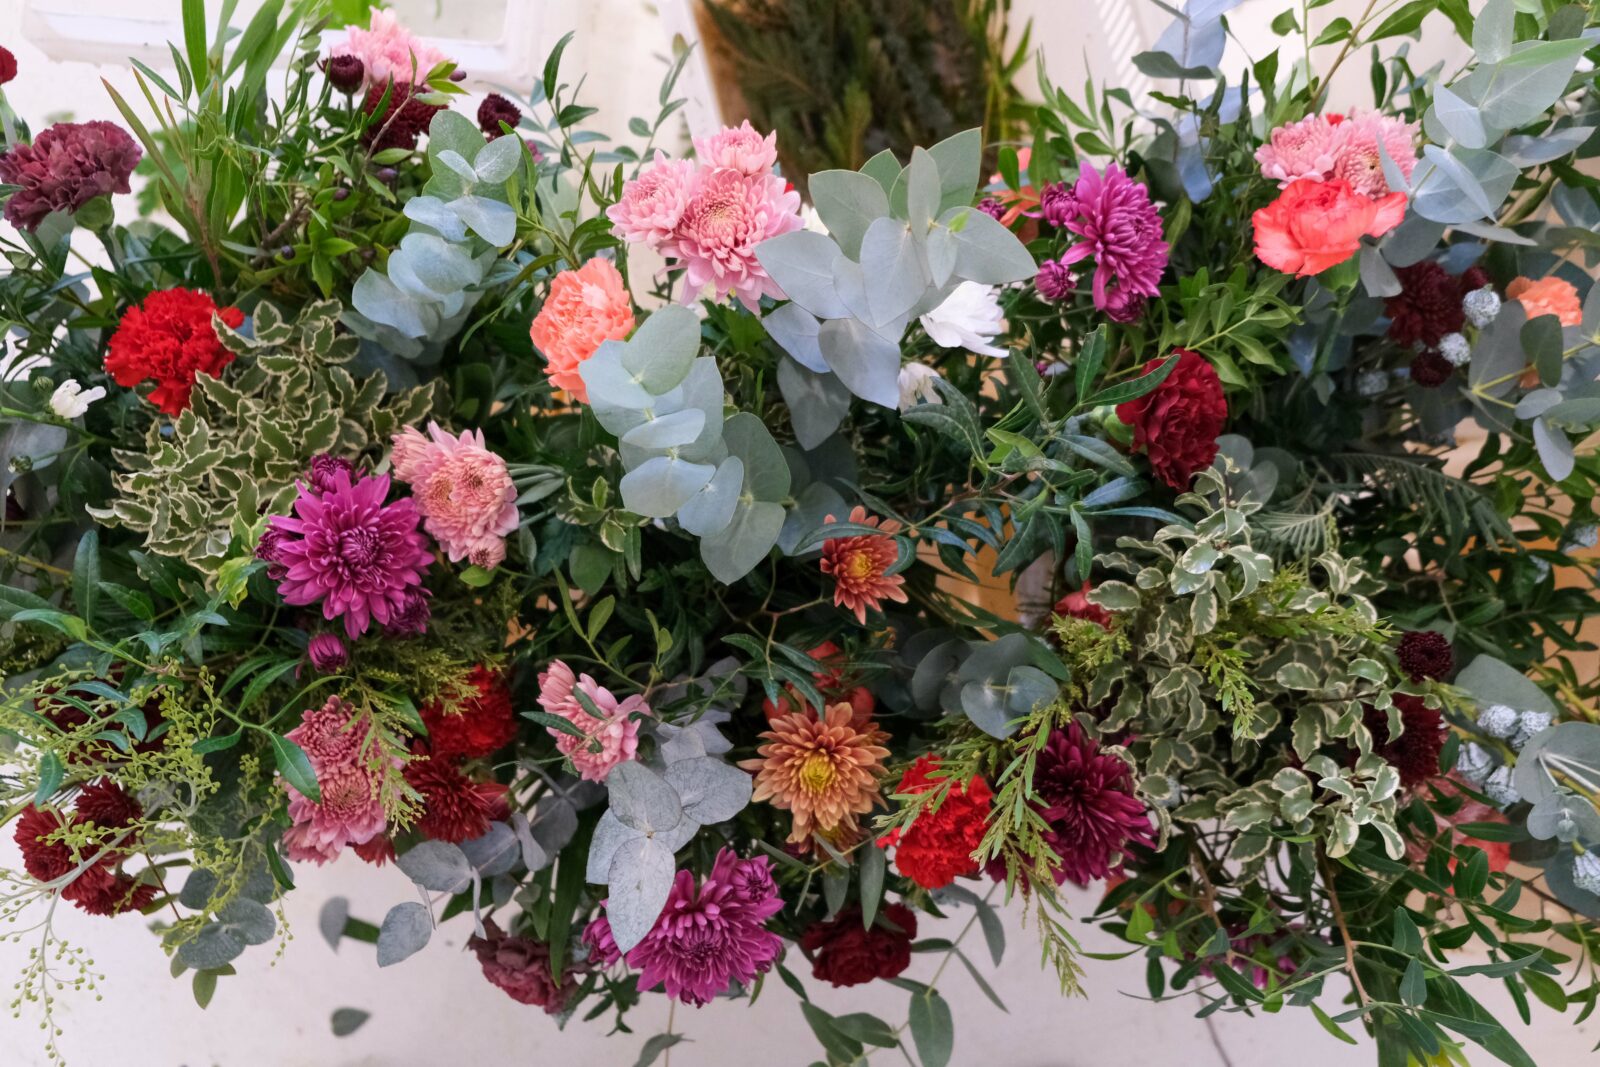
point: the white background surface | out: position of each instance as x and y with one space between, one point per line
436 1008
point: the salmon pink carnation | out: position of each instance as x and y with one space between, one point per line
608 739
462 489
586 307
1548 296
1315 225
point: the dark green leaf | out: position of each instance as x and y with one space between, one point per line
295 766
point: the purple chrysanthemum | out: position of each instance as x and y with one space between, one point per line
1087 798
413 617
1119 226
992 207
359 556
1057 204
323 467
706 939
64 168
1055 281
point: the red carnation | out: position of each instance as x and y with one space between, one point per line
1177 422
480 725
1415 753
844 953
455 808
937 846
169 339
1077 605
404 119
8 65
521 967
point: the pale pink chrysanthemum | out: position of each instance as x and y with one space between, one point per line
1359 162
389 51
728 215
351 813
611 739
741 148
653 203
463 490
1304 149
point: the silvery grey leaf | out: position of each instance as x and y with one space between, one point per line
666 431
642 799
406 928
986 251
331 919
248 920
437 264
640 880
731 553
1520 88
811 509
960 159
817 401
894 263
380 300
766 473
865 362
659 487
1555 450
922 196
1460 120
1526 151
436 865
431 211
851 284
711 509
1376 276
346 1021
712 791
847 202
801 263
495 852
534 855
490 219
458 165
795 330
498 160
1492 31
609 835
214 946
661 352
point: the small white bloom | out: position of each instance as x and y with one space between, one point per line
917 383
71 400
1455 349
1586 872
1481 306
1541 568
1498 788
969 318
1372 382
1498 720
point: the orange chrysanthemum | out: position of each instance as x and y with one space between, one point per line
860 565
825 771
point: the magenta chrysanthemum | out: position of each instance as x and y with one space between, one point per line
707 938
1087 798
462 489
1117 225
64 168
351 551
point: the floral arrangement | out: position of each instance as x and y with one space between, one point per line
589 530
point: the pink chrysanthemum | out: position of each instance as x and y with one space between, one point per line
462 489
1324 147
708 938
351 813
607 740
389 50
860 565
1087 798
740 148
351 551
652 203
1118 225
332 734
728 215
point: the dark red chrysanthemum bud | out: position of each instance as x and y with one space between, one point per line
494 110
1425 654
345 73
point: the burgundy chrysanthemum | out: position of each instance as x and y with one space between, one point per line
411 620
1425 654
481 724
404 120
1055 281
1415 753
1087 798
105 803
348 549
521 967
1428 305
64 168
1430 369
456 808
327 653
345 73
844 953
170 339
494 110
98 889
44 860
8 65
1118 225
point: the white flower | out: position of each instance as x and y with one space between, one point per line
917 383
969 318
1481 305
71 400
810 220
1455 349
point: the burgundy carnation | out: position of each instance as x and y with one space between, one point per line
1415 753
8 65
494 110
1177 423
844 953
1425 654
64 168
521 967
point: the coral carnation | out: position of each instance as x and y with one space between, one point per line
1315 225
937 847
586 307
1118 225
860 565
66 166
1548 296
823 770
168 340
462 489
359 556
844 953
1176 424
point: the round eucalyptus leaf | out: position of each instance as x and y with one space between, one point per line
711 509
661 351
642 799
731 553
712 791
667 431
659 487
640 880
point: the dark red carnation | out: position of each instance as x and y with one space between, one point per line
477 726
168 340
1415 753
521 967
8 65
1428 305
1077 605
64 168
404 119
1430 370
937 847
494 110
455 808
843 953
1176 424
1425 654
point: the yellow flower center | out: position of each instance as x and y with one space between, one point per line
859 566
817 773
